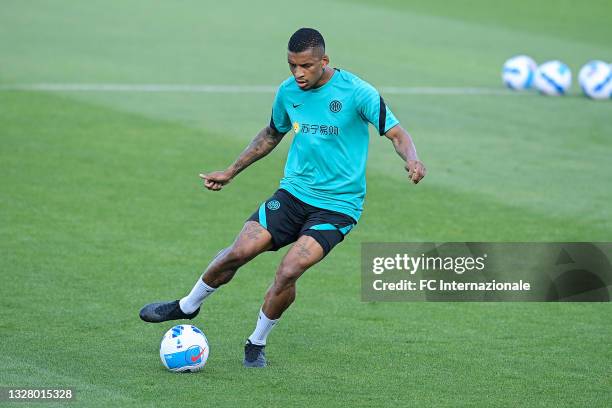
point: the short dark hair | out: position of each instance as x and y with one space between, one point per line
306 38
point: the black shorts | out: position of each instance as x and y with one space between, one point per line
287 218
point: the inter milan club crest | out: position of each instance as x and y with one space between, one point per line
273 205
335 106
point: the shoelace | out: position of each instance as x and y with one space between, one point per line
165 308
252 351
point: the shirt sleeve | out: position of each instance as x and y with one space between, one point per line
372 108
279 119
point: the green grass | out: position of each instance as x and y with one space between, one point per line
101 209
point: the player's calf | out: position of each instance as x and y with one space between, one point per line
282 292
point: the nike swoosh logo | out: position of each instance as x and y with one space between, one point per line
196 358
295 106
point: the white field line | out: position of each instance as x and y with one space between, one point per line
237 89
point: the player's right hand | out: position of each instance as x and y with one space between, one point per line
216 180
416 170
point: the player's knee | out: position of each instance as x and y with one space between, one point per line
287 274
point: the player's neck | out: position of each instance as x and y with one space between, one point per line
327 75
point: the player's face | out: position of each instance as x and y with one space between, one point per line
307 67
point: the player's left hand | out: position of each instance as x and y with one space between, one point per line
216 180
416 170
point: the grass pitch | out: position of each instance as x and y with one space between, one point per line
101 209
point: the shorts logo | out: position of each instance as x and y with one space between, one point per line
335 106
273 205
296 127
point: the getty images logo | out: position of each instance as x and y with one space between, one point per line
414 264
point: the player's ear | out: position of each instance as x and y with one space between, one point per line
325 60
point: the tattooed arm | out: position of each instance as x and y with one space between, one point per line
265 141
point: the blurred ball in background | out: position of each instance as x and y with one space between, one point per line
518 72
595 79
553 78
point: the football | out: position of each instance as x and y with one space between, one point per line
518 72
553 78
595 79
184 348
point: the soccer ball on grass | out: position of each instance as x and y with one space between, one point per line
553 78
595 79
518 72
184 348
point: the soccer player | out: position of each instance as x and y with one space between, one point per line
321 194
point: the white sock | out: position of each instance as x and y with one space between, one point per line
263 328
194 299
